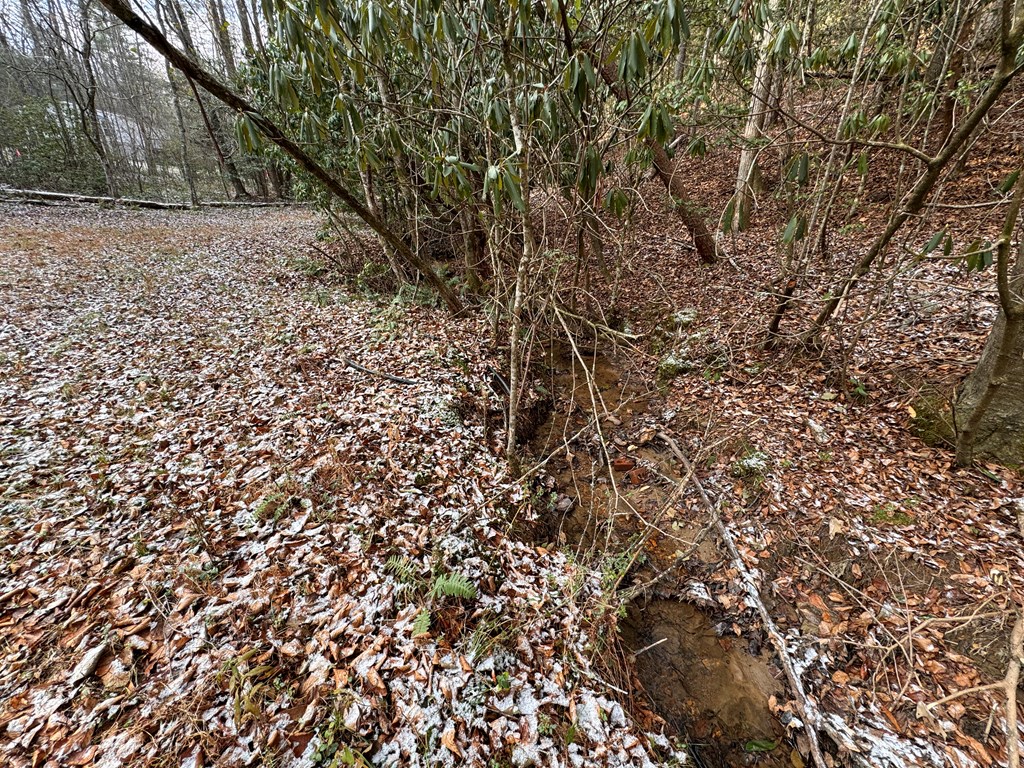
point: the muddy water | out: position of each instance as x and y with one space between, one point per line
709 689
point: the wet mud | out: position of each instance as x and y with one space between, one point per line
606 473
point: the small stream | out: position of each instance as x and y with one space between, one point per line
706 686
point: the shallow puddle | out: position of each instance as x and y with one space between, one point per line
708 688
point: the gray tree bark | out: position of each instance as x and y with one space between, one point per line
748 173
990 408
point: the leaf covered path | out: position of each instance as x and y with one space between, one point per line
222 546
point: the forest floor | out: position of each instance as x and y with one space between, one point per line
225 545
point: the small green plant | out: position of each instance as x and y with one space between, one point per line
615 567
402 568
387 324
452 585
308 267
371 277
858 388
931 419
320 296
891 514
503 682
492 631
753 464
332 751
270 506
247 686
203 576
545 725
421 624
418 295
139 544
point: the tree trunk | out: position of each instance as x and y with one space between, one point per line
227 166
186 166
90 115
679 68
474 246
243 22
942 126
257 30
705 243
748 174
222 39
276 182
366 177
990 408
517 344
211 120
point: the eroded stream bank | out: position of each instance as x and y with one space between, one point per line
617 495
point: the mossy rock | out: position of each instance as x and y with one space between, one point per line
683 319
674 364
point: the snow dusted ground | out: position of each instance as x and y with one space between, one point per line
221 546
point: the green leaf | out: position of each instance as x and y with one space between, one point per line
1009 182
453 585
799 168
934 242
511 185
698 147
247 134
421 624
617 202
979 256
795 229
878 125
760 745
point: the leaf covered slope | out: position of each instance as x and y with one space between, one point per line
223 547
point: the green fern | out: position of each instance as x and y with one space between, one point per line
402 569
453 585
421 624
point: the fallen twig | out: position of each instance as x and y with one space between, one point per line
388 376
1011 681
41 196
646 648
1008 685
808 710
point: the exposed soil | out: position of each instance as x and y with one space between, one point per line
607 484
706 686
